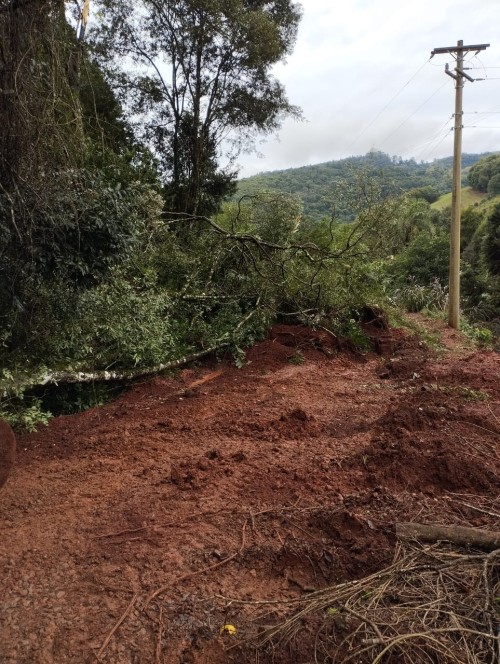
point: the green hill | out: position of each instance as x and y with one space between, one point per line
320 186
470 197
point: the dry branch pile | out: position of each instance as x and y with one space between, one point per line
432 604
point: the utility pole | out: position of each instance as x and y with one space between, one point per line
459 75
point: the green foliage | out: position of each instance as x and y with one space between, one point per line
481 173
492 241
415 297
24 413
349 328
275 217
482 336
425 260
104 122
318 185
494 185
219 56
76 225
470 222
427 193
297 358
81 223
75 192
123 323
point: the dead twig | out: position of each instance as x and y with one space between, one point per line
204 570
122 619
477 509
431 604
120 532
160 634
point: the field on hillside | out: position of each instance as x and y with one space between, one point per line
469 197
228 515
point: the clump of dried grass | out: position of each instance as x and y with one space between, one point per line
433 604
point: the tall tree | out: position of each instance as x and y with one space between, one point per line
39 120
199 74
73 200
492 241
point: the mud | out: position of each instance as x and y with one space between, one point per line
193 493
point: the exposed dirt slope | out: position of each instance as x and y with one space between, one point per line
265 482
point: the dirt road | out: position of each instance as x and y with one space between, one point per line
128 531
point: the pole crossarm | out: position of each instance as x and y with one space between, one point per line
456 49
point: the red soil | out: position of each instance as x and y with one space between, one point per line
258 483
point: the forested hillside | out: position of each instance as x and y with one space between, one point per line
124 249
322 187
224 411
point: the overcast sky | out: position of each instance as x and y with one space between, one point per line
361 73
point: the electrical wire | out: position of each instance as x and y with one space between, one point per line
435 145
373 120
422 145
439 136
414 112
476 57
428 146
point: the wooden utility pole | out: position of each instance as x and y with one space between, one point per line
459 75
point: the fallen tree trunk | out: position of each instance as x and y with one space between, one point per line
459 535
16 387
66 377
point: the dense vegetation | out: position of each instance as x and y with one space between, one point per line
485 175
321 186
121 248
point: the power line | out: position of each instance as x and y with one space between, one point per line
414 112
419 148
435 147
372 122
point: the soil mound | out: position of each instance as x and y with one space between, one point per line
135 532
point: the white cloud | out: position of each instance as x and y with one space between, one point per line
352 58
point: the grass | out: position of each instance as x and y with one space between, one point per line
399 318
470 197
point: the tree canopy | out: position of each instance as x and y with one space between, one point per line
197 74
319 185
481 174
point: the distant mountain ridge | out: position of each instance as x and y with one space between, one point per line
318 185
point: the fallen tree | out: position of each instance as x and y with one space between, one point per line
16 385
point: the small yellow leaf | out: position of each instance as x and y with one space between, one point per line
228 629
